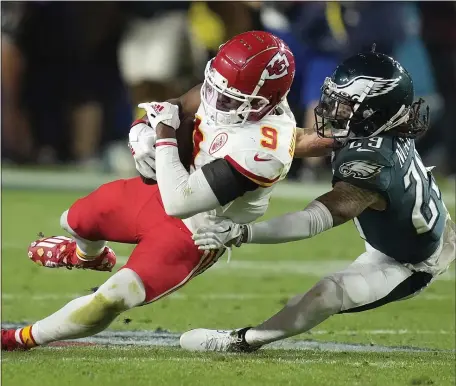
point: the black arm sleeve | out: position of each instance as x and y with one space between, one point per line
226 182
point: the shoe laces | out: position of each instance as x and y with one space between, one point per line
220 343
67 253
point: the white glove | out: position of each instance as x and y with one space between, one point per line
164 112
223 235
142 140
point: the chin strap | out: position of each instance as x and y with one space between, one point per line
397 119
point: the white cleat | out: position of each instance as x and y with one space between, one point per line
202 339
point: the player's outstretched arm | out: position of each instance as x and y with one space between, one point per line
346 201
309 144
343 203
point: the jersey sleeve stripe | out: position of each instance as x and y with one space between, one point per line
166 144
262 181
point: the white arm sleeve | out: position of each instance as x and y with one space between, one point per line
183 194
314 219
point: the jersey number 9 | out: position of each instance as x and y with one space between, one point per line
269 139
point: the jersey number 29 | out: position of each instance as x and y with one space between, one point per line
425 212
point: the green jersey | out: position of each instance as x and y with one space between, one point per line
409 229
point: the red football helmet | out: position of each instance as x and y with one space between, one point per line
250 75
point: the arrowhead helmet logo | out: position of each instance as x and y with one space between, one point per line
362 170
277 66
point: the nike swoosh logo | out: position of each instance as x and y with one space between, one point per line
258 159
365 150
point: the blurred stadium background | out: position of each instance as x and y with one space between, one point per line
74 72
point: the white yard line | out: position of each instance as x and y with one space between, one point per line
169 339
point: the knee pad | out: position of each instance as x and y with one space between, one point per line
122 291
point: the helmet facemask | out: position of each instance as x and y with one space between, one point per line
226 105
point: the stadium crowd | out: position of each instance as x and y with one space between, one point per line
74 72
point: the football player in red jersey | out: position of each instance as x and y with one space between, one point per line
245 137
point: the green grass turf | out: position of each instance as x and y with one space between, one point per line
239 297
141 366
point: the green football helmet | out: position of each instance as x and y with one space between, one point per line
367 94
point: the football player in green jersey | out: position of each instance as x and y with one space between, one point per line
380 182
